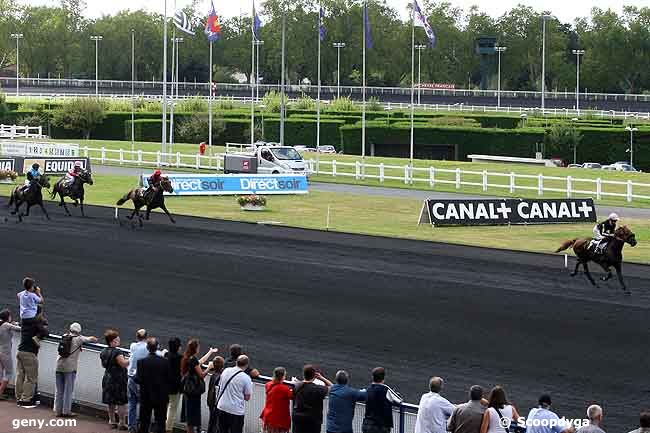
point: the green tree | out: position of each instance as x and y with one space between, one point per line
80 115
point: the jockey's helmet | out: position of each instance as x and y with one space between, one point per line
613 216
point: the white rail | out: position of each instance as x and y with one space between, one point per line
20 131
482 181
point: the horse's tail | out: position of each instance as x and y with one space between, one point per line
566 245
124 199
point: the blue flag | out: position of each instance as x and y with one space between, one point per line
366 26
321 25
420 21
257 23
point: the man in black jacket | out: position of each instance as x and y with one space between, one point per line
154 377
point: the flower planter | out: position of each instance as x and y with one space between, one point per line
252 207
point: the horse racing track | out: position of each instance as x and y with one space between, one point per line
292 296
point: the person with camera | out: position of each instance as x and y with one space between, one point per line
308 399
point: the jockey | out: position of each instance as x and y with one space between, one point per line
73 173
153 181
32 175
604 230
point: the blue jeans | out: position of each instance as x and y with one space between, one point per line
64 390
134 397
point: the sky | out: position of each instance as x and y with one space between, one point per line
565 10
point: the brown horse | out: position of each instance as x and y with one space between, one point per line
152 199
612 256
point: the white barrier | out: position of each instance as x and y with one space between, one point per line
20 131
88 390
429 176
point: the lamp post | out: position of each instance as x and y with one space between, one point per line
17 37
631 149
578 53
96 38
545 18
262 107
419 48
257 68
575 145
499 50
338 46
132 91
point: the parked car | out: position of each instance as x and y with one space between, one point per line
326 149
608 167
624 167
574 166
592 165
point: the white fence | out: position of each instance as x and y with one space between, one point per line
483 181
88 389
18 131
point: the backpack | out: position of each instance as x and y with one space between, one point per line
65 346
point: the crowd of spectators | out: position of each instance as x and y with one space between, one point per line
147 380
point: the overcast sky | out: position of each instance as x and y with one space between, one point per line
566 10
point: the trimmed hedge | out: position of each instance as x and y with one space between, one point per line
151 130
303 131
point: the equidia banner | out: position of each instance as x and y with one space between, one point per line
506 211
7 164
51 165
236 184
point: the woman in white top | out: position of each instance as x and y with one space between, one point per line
493 422
7 328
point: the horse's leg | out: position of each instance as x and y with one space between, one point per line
619 274
148 213
44 211
29 205
608 270
164 208
64 204
575 271
588 274
81 202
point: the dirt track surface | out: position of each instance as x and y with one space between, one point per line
291 296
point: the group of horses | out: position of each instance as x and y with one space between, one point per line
152 198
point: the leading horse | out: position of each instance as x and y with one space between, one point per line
152 199
75 190
612 256
30 196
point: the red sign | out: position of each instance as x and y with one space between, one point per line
245 165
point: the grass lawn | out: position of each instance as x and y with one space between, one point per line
383 216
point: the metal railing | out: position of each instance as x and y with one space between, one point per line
480 181
88 389
20 131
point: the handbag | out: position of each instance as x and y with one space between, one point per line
512 426
192 385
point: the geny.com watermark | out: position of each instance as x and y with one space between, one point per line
561 422
40 424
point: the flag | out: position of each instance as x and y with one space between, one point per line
321 25
182 23
366 26
420 21
212 28
257 23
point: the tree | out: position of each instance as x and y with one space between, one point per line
81 115
562 139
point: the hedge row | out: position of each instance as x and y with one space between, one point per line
303 131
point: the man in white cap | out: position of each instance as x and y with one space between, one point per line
604 230
66 369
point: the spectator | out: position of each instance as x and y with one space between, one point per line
153 376
434 409
498 410
174 359
114 382
379 404
644 423
138 351
235 352
66 369
7 328
233 395
276 417
218 364
467 417
595 416
542 420
308 401
190 364
27 355
342 401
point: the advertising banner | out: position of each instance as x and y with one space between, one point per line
54 165
506 211
7 164
22 148
236 184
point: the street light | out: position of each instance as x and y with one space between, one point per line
545 17
96 38
631 149
132 91
419 48
17 37
338 46
257 68
578 53
499 50
575 145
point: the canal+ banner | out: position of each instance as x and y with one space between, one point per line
235 184
506 211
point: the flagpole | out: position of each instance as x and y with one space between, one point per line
164 101
253 83
320 23
210 106
284 20
171 108
363 92
412 80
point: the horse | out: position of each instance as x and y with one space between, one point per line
152 200
75 191
31 196
612 255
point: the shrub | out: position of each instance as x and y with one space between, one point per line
454 121
343 103
271 101
196 104
253 199
373 104
8 174
305 102
118 105
562 138
3 105
35 119
223 104
195 129
80 115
